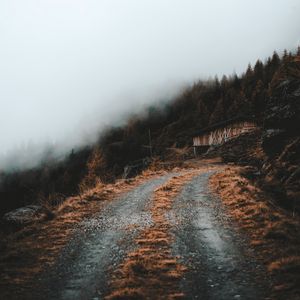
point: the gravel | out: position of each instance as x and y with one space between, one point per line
220 266
98 245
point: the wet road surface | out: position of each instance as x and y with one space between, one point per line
215 254
98 245
219 267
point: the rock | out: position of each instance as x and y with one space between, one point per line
24 215
283 109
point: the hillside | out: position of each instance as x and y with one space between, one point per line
267 92
222 225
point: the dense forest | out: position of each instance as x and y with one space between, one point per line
252 94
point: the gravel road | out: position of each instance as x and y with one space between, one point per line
97 245
220 265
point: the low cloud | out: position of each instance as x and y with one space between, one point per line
68 69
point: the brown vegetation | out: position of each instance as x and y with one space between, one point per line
172 126
273 232
150 271
269 92
27 252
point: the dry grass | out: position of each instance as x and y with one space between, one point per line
273 232
26 253
150 271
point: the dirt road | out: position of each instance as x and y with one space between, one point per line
219 263
99 244
218 267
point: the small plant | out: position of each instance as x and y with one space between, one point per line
95 170
50 202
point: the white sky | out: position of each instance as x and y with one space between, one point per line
68 66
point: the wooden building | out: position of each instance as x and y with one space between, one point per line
223 132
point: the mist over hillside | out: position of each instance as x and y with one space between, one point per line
169 125
87 131
69 71
83 89
149 149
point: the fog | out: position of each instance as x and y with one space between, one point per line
70 68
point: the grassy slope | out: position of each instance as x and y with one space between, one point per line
273 232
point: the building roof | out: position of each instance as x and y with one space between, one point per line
224 123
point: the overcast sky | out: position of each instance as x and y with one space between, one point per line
69 66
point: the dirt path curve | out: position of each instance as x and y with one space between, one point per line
99 244
219 264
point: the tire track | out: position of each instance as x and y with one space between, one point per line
151 271
219 264
98 245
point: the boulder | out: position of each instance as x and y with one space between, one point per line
283 108
24 215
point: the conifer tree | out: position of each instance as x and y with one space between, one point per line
236 81
217 82
258 99
275 61
285 54
248 81
218 113
259 70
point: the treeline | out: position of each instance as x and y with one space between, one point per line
173 125
203 104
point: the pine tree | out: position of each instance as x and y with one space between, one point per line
271 67
249 71
217 82
258 99
218 113
259 70
236 81
224 84
248 81
204 113
285 54
275 61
